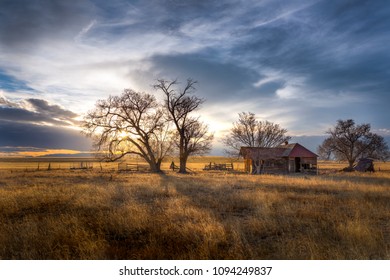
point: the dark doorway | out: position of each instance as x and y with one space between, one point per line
297 164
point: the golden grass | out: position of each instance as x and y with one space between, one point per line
195 164
42 163
101 215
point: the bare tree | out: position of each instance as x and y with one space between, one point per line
130 124
250 132
348 141
197 139
193 136
325 150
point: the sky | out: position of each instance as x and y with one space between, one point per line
301 64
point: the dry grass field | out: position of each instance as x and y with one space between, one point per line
104 214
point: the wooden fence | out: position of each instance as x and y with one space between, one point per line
81 165
123 166
218 166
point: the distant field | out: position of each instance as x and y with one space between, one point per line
94 214
194 163
33 164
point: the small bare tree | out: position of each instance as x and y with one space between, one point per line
193 136
250 132
348 141
130 124
325 150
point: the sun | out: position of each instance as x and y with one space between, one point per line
123 134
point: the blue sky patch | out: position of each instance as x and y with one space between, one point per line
10 83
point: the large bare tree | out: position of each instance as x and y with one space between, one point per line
349 141
193 136
250 132
130 124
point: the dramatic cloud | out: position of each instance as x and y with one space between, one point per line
37 111
34 125
54 111
15 134
303 64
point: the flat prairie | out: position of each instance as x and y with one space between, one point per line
105 214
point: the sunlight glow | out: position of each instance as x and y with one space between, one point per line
122 135
47 152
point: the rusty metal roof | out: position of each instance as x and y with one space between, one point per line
289 150
265 153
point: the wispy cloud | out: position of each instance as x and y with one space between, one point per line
85 30
283 14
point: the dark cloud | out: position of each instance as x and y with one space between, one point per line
41 112
358 18
22 115
217 80
133 19
170 15
26 116
24 23
35 124
13 149
55 111
335 47
15 134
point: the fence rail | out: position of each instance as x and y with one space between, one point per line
81 165
132 167
218 166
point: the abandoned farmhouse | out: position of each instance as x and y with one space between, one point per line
286 158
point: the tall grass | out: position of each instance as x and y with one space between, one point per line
97 215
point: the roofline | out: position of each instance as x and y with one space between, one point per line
279 147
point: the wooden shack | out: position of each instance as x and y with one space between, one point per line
287 158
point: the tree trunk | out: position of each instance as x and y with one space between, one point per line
182 155
183 164
155 166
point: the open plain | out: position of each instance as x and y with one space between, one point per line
105 214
